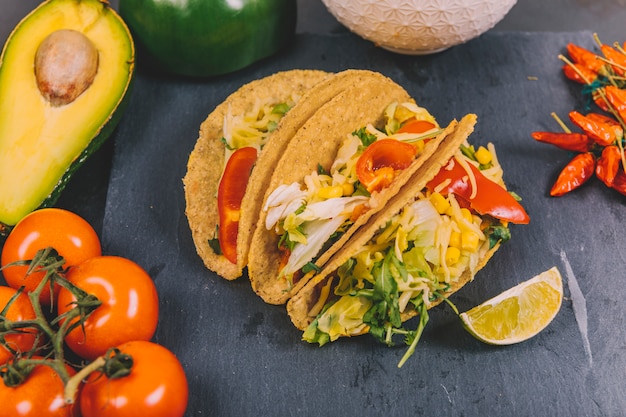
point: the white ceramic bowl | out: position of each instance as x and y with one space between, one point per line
418 27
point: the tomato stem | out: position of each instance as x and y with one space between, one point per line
73 383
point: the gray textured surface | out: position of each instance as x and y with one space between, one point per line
244 358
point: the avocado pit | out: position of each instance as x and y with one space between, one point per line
66 63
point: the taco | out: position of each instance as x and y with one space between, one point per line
236 137
344 164
432 239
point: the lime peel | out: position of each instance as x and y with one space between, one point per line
518 313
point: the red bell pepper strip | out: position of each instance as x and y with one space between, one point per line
600 132
229 195
489 197
585 57
376 167
608 165
577 142
576 173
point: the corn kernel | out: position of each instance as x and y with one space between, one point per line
347 189
441 204
469 241
330 191
455 239
483 156
452 255
419 146
467 215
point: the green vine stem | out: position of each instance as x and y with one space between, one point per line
16 370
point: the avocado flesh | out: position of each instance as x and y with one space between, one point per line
40 144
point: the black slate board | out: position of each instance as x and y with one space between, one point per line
243 357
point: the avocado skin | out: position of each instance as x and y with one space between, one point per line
201 38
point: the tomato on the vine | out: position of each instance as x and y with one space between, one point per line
21 309
40 395
156 386
129 309
68 233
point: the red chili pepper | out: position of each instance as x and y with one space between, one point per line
599 132
576 173
577 142
619 184
609 121
600 101
608 165
490 198
229 195
617 98
376 167
584 57
580 73
616 57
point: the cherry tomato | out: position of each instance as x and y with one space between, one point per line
376 167
156 386
129 310
229 195
71 235
416 126
21 309
40 395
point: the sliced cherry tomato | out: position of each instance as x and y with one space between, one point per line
376 167
156 386
40 395
68 233
489 197
576 173
416 126
229 195
21 309
129 309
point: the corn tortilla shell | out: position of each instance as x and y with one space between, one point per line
206 161
300 304
317 142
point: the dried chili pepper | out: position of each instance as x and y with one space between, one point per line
600 132
576 173
579 73
618 59
585 57
619 184
617 98
577 142
608 165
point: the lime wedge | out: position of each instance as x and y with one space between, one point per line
518 313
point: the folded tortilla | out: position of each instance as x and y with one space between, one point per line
305 306
363 101
207 160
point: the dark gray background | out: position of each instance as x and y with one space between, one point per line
243 357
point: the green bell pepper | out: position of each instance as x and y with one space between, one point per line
208 37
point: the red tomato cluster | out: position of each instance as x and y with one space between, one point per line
124 317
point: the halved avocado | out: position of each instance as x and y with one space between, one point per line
65 72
